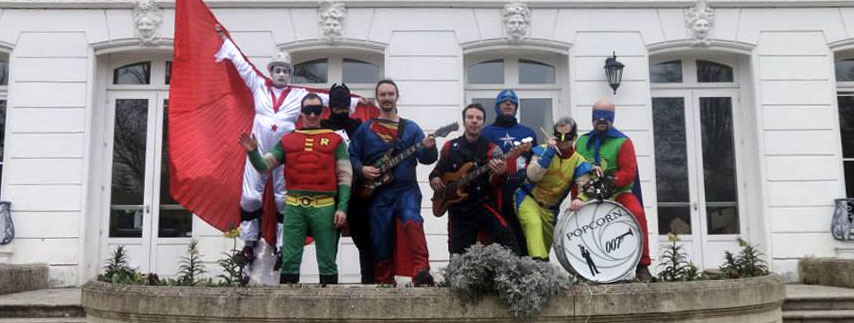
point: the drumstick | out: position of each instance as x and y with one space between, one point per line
549 137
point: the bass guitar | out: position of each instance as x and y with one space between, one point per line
389 160
457 182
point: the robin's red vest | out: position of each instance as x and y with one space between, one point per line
310 160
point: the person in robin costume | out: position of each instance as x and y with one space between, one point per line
613 157
357 217
317 171
554 169
504 132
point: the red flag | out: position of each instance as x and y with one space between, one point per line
209 106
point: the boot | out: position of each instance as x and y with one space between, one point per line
642 273
289 279
328 279
423 279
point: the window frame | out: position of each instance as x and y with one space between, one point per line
511 71
335 69
842 89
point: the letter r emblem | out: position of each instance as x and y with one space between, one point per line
324 141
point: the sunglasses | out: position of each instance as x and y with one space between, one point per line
312 109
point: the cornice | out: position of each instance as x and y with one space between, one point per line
102 4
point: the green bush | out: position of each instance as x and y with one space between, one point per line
117 271
191 268
525 285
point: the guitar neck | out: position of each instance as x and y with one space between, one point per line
392 162
474 174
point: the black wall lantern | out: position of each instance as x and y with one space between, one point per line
614 71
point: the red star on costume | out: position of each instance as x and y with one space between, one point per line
274 127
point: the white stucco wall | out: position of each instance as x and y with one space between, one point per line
55 104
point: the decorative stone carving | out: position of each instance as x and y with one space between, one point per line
699 20
331 18
516 17
147 17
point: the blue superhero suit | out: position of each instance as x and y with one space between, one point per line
395 208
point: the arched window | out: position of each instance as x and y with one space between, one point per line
534 77
359 70
134 74
845 100
695 133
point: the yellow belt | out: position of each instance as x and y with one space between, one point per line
307 200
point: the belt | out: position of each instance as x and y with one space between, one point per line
308 200
540 203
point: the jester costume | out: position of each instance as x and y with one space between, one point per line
397 228
614 153
550 180
317 169
481 209
504 132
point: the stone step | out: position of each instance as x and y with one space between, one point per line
45 320
818 316
43 303
815 297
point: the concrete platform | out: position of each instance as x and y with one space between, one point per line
43 303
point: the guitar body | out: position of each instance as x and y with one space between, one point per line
452 194
366 187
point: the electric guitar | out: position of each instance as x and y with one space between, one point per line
456 182
388 161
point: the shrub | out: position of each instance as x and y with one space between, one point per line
117 271
675 264
191 267
525 285
748 263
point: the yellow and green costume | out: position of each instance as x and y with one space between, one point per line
537 202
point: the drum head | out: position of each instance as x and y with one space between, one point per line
601 242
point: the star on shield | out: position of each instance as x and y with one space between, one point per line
508 141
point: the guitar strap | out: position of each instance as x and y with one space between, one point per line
479 157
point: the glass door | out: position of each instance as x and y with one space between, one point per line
143 216
696 173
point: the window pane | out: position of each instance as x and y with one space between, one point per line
845 70
4 72
536 113
722 219
675 219
719 164
666 72
356 71
671 156
488 105
708 72
168 72
315 71
175 221
849 179
489 72
128 183
531 72
846 125
137 73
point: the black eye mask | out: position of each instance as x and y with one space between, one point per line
312 109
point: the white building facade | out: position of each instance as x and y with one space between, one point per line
741 112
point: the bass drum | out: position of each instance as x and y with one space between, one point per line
602 242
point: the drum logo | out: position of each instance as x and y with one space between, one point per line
600 242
